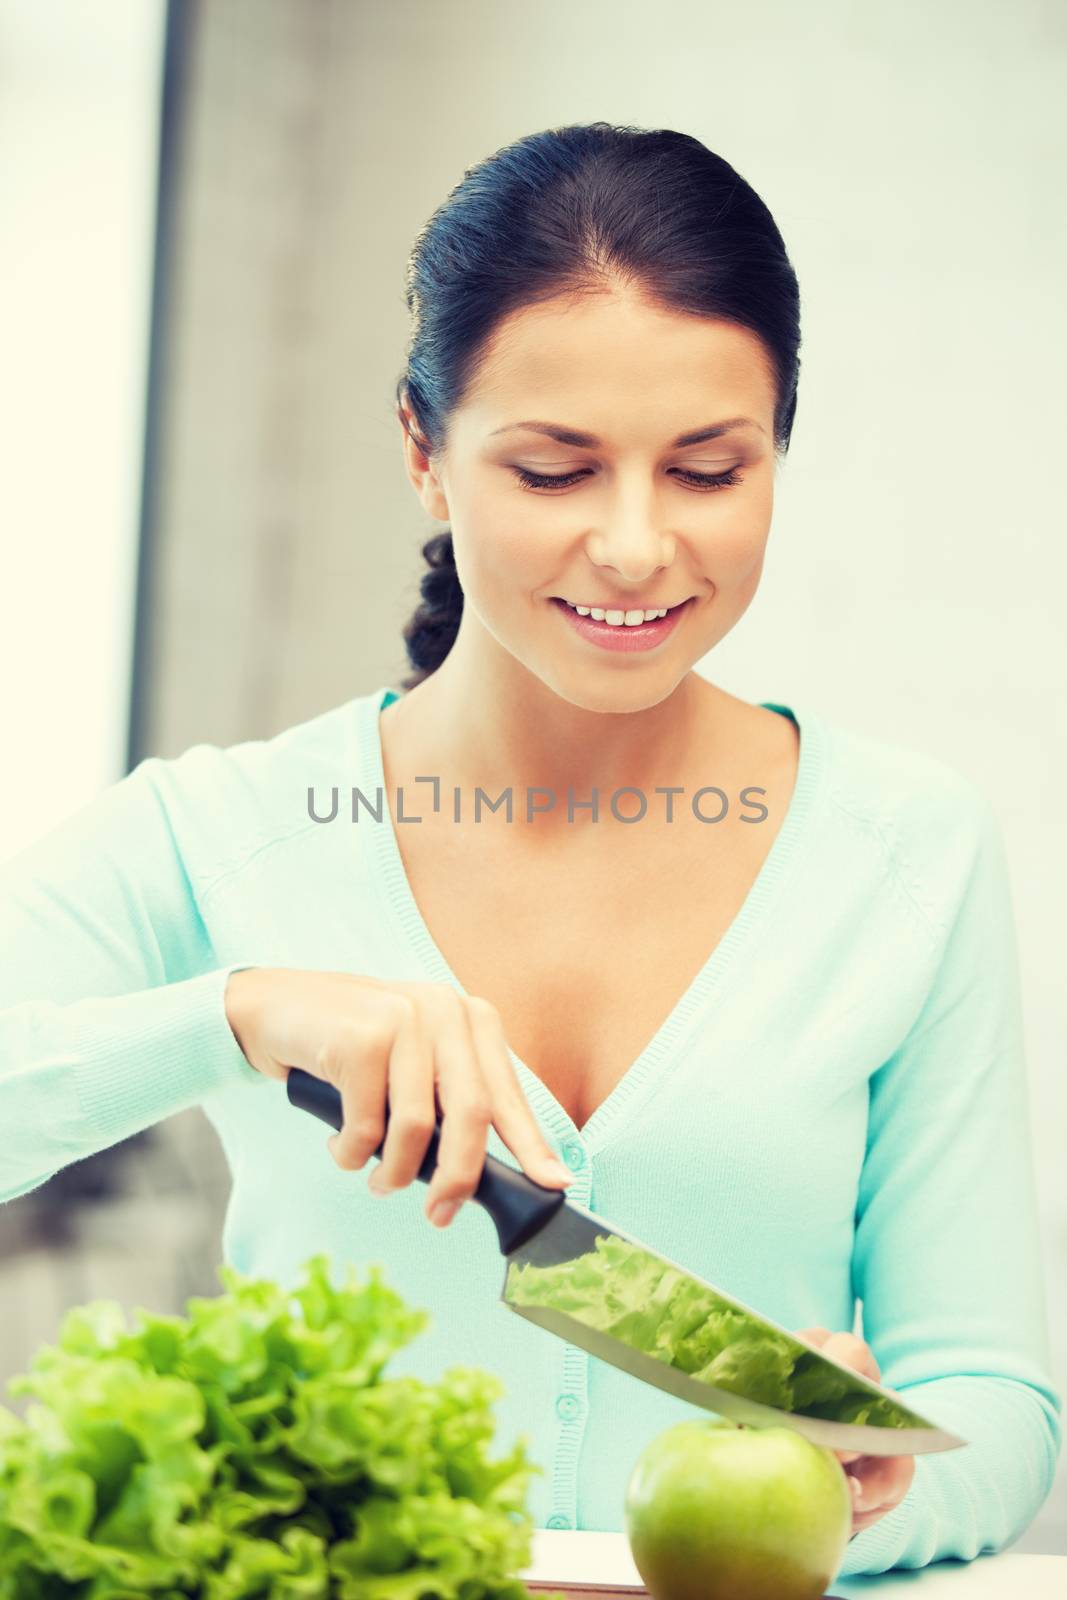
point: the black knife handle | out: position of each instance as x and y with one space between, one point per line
518 1206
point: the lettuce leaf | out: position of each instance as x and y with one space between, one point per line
635 1296
255 1447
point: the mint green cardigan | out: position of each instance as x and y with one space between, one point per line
836 1108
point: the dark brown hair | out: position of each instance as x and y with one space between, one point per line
566 212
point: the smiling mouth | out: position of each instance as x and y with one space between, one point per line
588 609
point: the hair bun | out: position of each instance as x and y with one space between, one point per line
431 632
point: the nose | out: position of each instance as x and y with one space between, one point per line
632 542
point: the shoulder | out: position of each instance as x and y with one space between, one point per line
226 803
927 818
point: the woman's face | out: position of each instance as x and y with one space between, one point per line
626 527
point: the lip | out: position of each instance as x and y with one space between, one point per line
643 636
623 605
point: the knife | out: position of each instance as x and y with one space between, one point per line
673 1329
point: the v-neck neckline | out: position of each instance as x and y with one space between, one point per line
641 1077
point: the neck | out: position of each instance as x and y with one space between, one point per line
504 727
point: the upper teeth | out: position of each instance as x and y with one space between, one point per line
617 619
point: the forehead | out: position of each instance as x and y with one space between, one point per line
617 365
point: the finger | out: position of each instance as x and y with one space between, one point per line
864 1519
352 1062
883 1481
852 1352
819 1338
412 1106
513 1116
465 1108
846 1348
815 1336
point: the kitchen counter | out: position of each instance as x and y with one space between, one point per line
601 1564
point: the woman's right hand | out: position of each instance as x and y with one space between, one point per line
423 1044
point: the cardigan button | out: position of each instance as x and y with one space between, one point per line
568 1406
558 1521
573 1155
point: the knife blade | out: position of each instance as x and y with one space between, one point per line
580 1277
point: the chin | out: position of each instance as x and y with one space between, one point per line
619 697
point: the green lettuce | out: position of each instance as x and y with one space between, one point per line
627 1292
254 1447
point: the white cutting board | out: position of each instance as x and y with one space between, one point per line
589 1562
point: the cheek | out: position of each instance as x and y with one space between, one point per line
503 537
735 545
501 556
746 589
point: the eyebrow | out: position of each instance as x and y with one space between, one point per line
589 441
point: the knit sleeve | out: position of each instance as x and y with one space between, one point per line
111 997
947 1255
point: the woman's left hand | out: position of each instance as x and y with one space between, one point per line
878 1483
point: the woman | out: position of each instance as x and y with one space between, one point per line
752 975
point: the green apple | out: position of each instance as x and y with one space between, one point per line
720 1511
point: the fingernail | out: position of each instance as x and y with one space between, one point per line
558 1170
857 1489
375 1184
443 1212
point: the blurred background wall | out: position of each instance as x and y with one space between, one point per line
207 527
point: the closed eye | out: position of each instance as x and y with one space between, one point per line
699 480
